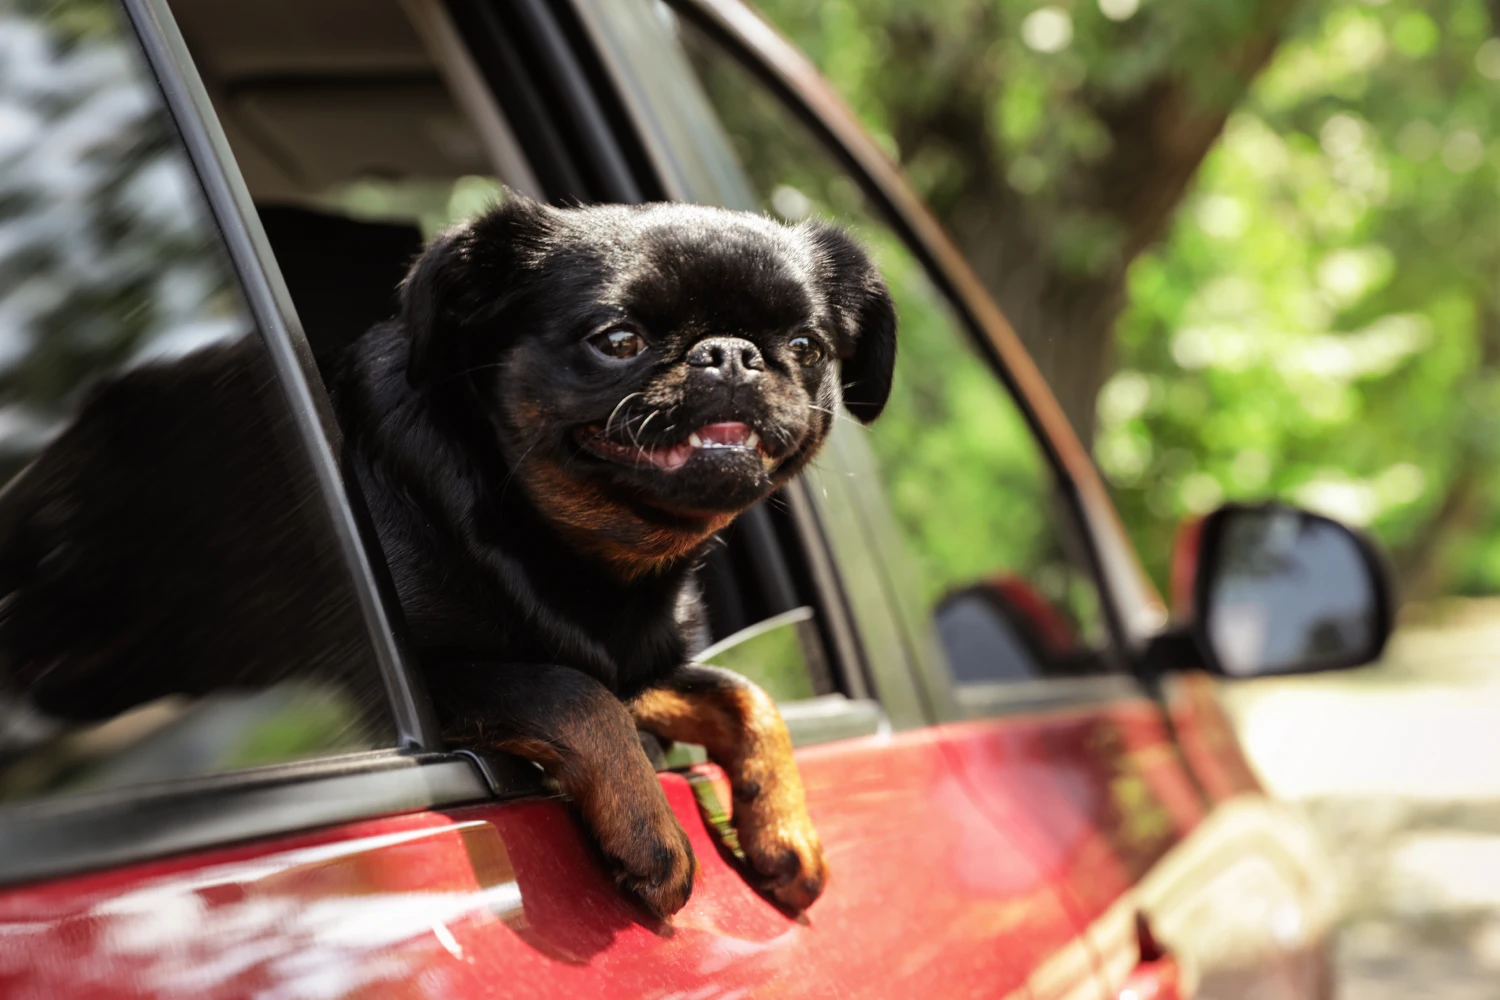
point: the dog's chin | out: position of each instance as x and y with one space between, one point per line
719 468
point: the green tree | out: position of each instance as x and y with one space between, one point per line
1270 232
1054 140
1324 322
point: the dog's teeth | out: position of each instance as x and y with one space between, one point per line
695 440
753 441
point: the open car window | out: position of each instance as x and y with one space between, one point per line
359 142
172 600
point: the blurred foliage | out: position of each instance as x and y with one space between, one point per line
1324 322
1321 320
106 255
433 204
178 737
1041 81
775 658
294 720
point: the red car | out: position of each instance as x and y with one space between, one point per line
1016 761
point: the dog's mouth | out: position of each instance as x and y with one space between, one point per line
726 439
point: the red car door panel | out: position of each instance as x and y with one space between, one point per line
927 898
1101 786
1097 794
1226 883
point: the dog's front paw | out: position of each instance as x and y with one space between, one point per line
650 851
778 840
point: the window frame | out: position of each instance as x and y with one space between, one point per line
1132 610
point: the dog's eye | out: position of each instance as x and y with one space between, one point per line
618 343
807 350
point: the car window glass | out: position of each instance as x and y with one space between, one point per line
973 495
759 602
172 600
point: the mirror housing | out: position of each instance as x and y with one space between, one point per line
1271 589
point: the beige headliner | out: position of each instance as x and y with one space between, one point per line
314 93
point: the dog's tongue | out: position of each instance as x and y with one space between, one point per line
730 434
669 458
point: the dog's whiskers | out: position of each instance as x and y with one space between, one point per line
613 413
636 434
839 417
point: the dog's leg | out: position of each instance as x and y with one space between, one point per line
585 740
740 727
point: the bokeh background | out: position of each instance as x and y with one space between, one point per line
1254 245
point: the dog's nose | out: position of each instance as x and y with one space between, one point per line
731 359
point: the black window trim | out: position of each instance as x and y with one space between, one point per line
545 80
88 831
433 21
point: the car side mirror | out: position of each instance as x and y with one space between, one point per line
1272 589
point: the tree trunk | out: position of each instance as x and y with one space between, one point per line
1158 139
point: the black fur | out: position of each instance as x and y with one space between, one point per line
538 502
494 320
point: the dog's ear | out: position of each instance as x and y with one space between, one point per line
865 313
462 278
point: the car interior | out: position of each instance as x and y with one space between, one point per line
362 127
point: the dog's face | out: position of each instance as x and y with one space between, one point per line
650 371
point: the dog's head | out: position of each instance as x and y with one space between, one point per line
649 371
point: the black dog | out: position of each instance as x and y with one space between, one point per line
568 406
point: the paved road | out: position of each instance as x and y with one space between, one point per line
1399 765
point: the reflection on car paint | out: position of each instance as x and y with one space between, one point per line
512 896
